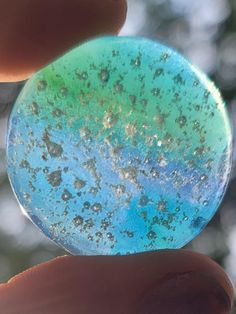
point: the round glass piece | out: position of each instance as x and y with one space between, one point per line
120 146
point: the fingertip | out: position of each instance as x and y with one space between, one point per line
42 31
163 282
194 284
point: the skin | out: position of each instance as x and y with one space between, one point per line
33 33
163 282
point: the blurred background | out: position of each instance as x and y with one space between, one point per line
205 32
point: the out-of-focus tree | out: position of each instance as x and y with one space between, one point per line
205 32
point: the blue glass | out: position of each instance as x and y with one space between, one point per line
120 146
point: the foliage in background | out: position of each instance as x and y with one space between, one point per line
205 32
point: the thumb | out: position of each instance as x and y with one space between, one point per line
164 282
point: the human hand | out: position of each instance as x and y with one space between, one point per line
33 33
169 281
164 282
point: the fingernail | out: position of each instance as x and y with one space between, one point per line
185 293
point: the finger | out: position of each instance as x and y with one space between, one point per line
33 33
164 282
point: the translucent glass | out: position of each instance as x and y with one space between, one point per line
120 146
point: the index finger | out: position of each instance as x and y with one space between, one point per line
33 33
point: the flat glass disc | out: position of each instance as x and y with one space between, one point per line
120 146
